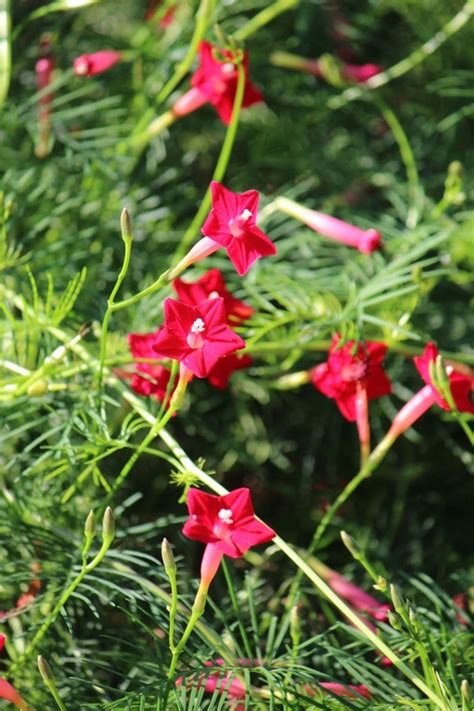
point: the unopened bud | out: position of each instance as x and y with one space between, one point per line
38 388
89 527
108 526
295 627
126 225
413 618
45 669
394 620
465 691
293 380
396 599
351 545
381 584
168 557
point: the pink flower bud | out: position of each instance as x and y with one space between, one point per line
189 102
412 411
365 241
359 73
87 65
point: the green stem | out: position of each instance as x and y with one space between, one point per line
408 63
406 153
203 15
173 607
263 18
5 50
221 165
127 240
158 284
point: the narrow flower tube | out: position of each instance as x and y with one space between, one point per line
88 65
327 67
362 419
44 69
412 411
210 563
190 101
365 241
202 249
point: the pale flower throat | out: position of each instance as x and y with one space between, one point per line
237 224
195 339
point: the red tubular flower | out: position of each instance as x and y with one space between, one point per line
350 691
365 241
345 371
210 286
462 391
357 597
156 377
7 691
359 73
197 336
227 524
217 81
226 684
87 65
231 223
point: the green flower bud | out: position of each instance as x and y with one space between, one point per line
89 527
351 545
168 557
108 526
397 601
45 669
126 225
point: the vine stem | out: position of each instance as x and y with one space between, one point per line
221 165
203 14
408 63
263 18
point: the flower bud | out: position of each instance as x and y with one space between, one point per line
126 225
168 557
381 584
394 620
89 527
351 545
45 669
396 599
108 526
38 388
466 692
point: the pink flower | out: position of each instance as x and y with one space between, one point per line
197 336
227 524
359 73
7 691
210 286
217 80
220 374
357 597
87 65
226 684
365 241
345 371
157 377
351 691
461 385
231 223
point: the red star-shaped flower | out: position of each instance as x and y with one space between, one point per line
156 377
217 80
232 224
462 386
345 371
210 286
196 336
228 522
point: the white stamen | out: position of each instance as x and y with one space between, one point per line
225 516
244 216
228 68
213 295
198 326
237 223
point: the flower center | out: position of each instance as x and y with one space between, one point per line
213 295
237 224
228 68
222 526
357 370
195 340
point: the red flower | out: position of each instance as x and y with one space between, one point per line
210 286
7 691
87 65
227 522
462 386
220 374
231 223
157 377
217 81
345 371
351 691
197 336
359 73
357 597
